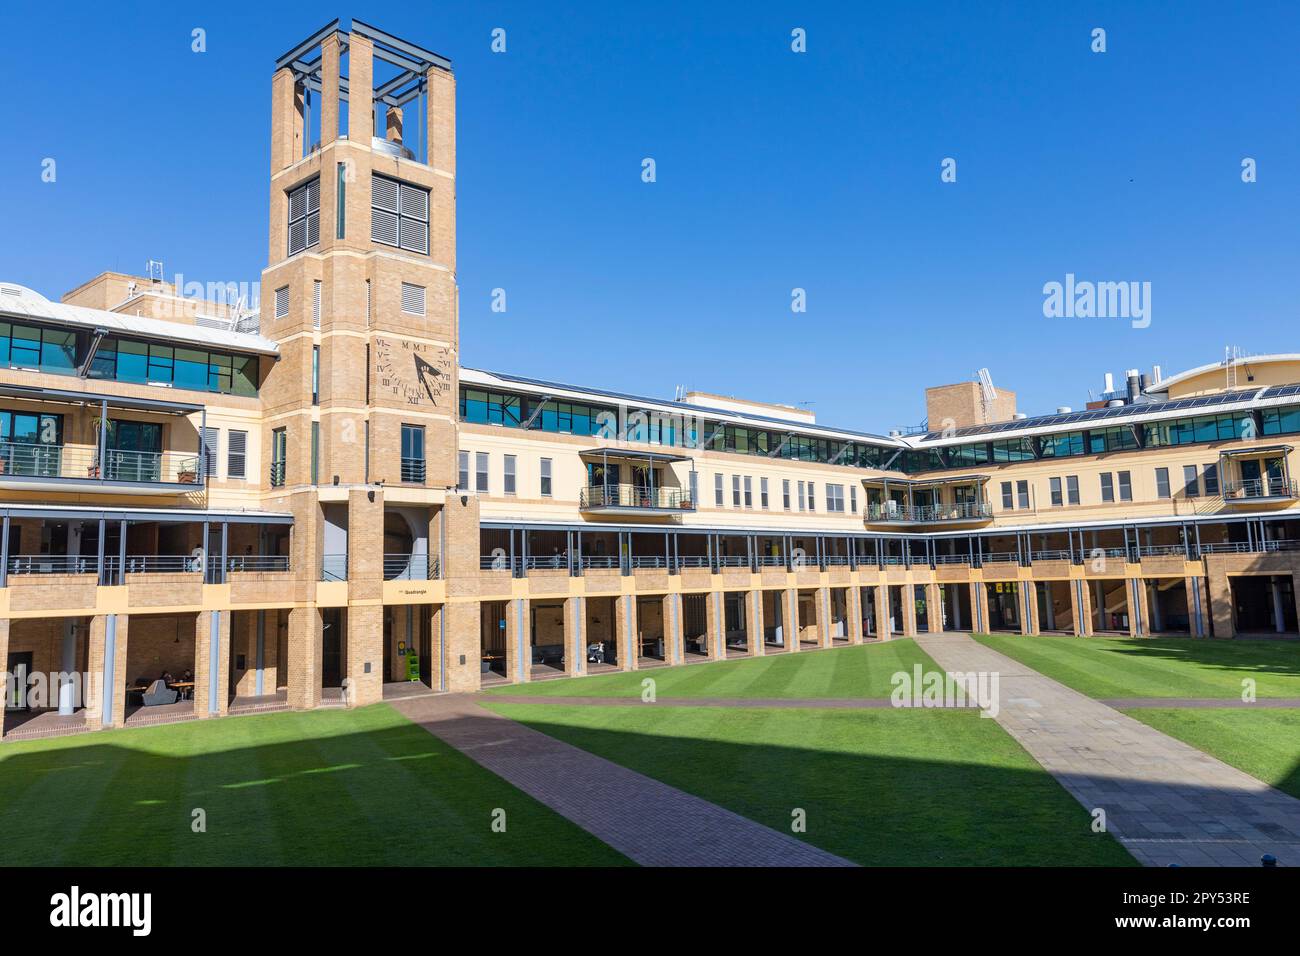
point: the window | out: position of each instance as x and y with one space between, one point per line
1211 474
462 477
1186 431
1061 446
1055 484
399 214
961 456
1280 421
509 484
236 454
282 302
762 493
315 453
211 449
413 454
717 490
853 498
834 498
1191 482
735 491
812 500
801 499
279 450
1072 489
304 217
315 374
1120 438
1107 487
1162 482
785 493
1022 494
51 350
1007 501
546 478
412 299
693 500
749 492
481 472
1015 449
315 304
1125 486
340 212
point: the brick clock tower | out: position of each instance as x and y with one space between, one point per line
360 293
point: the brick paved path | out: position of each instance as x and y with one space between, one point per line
647 821
1166 801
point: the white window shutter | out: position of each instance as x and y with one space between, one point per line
315 304
412 299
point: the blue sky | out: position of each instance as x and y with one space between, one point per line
775 170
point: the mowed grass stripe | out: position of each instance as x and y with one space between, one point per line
1108 667
863 671
882 787
1262 743
317 788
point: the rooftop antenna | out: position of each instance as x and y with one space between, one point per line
154 269
988 394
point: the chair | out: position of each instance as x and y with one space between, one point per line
159 693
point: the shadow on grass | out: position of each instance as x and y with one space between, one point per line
316 788
881 789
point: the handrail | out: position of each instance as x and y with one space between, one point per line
28 460
918 514
635 496
413 470
1272 487
334 567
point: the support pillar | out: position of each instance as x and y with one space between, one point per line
934 608
790 618
108 642
715 616
883 631
306 651
909 610
822 613
626 634
211 664
754 624
4 666
1139 611
457 627
979 607
1279 617
1081 615
1198 608
1029 623
365 654
575 636
674 634
1219 594
853 611
519 650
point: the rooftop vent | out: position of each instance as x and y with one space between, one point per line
1063 409
1019 416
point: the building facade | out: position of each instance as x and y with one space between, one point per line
206 512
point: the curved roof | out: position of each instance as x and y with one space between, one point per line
1163 385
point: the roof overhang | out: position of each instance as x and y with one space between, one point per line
168 516
1259 450
926 482
28 393
634 454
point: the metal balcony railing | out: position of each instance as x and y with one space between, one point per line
277 474
410 567
334 567
85 463
413 470
891 511
634 496
1243 547
1259 488
952 559
52 564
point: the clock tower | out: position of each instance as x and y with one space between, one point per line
360 411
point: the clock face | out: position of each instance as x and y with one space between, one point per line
413 373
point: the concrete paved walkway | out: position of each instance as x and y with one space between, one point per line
647 821
1166 801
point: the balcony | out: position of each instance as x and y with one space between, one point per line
1259 489
634 499
410 567
120 453
412 471
891 512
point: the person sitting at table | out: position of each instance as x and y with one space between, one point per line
167 678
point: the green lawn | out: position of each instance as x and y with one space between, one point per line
880 787
320 788
860 671
1263 743
1106 667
